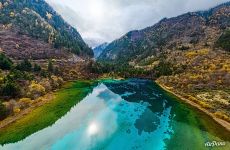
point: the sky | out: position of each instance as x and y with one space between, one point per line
100 21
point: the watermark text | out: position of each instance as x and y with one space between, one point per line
214 144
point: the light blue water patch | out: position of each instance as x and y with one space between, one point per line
103 120
127 94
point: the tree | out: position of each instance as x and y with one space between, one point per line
3 111
224 40
50 66
10 89
56 71
37 68
35 90
163 68
25 65
5 62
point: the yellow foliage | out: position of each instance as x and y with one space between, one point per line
219 81
1 80
35 90
46 84
17 110
204 105
25 102
12 14
196 76
222 116
56 81
226 67
192 98
201 103
212 67
194 53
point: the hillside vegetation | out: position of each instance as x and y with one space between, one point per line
24 82
188 54
224 40
39 51
61 103
205 79
194 30
24 22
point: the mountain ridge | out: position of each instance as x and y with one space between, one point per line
99 49
186 31
39 21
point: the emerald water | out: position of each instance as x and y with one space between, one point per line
128 115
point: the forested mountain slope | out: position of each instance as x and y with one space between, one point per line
32 29
188 31
189 55
38 52
99 49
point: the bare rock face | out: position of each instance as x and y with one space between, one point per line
194 30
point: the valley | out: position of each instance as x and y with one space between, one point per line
138 116
169 81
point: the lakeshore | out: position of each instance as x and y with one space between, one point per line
118 109
45 114
75 93
222 122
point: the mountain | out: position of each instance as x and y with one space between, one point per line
38 51
99 49
193 30
32 29
188 55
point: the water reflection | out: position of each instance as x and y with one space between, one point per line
131 114
102 120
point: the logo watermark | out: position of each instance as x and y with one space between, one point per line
214 144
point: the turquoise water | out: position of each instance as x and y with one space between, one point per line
127 115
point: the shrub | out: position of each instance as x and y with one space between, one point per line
3 111
56 81
44 73
35 90
25 65
224 41
37 68
5 62
18 75
46 84
222 116
24 103
57 71
163 69
10 106
184 47
10 89
50 66
16 110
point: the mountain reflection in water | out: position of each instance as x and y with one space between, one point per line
130 114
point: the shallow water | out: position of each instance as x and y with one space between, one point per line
127 115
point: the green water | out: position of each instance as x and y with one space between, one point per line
128 115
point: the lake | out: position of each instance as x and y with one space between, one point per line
129 114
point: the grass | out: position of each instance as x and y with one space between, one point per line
48 114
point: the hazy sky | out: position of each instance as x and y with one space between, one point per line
101 21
